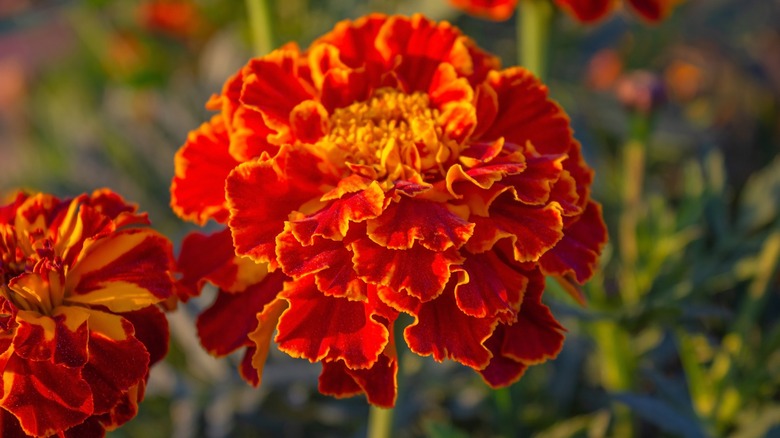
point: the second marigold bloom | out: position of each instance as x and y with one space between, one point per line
391 167
79 326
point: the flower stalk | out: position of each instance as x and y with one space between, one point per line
533 34
261 26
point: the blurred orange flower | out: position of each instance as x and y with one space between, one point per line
390 167
79 281
586 11
176 18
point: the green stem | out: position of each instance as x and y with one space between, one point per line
260 24
503 399
380 422
533 32
634 157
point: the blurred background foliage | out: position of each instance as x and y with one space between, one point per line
681 336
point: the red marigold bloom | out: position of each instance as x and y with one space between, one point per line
390 167
79 280
586 11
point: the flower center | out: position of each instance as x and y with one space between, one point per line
398 135
32 279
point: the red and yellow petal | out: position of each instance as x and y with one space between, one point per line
534 338
431 224
254 361
526 114
201 166
533 231
378 382
349 333
577 252
353 200
211 258
418 271
45 397
125 271
330 262
262 194
223 327
435 323
61 338
489 287
117 359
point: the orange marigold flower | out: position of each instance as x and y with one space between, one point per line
586 11
390 167
79 326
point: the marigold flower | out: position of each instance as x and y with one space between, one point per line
79 280
586 11
390 167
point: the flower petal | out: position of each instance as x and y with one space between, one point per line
330 262
267 321
490 287
533 231
435 323
378 382
652 11
578 251
45 397
223 327
117 360
401 270
61 338
211 257
363 201
317 327
525 114
151 328
202 164
431 224
123 271
262 194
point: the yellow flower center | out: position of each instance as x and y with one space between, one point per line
40 293
398 135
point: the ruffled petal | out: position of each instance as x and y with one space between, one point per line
254 361
533 231
419 271
329 261
490 287
432 333
223 327
348 333
201 166
262 194
378 382
525 114
151 328
534 338
45 397
211 257
61 339
431 224
125 271
577 252
117 359
354 200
